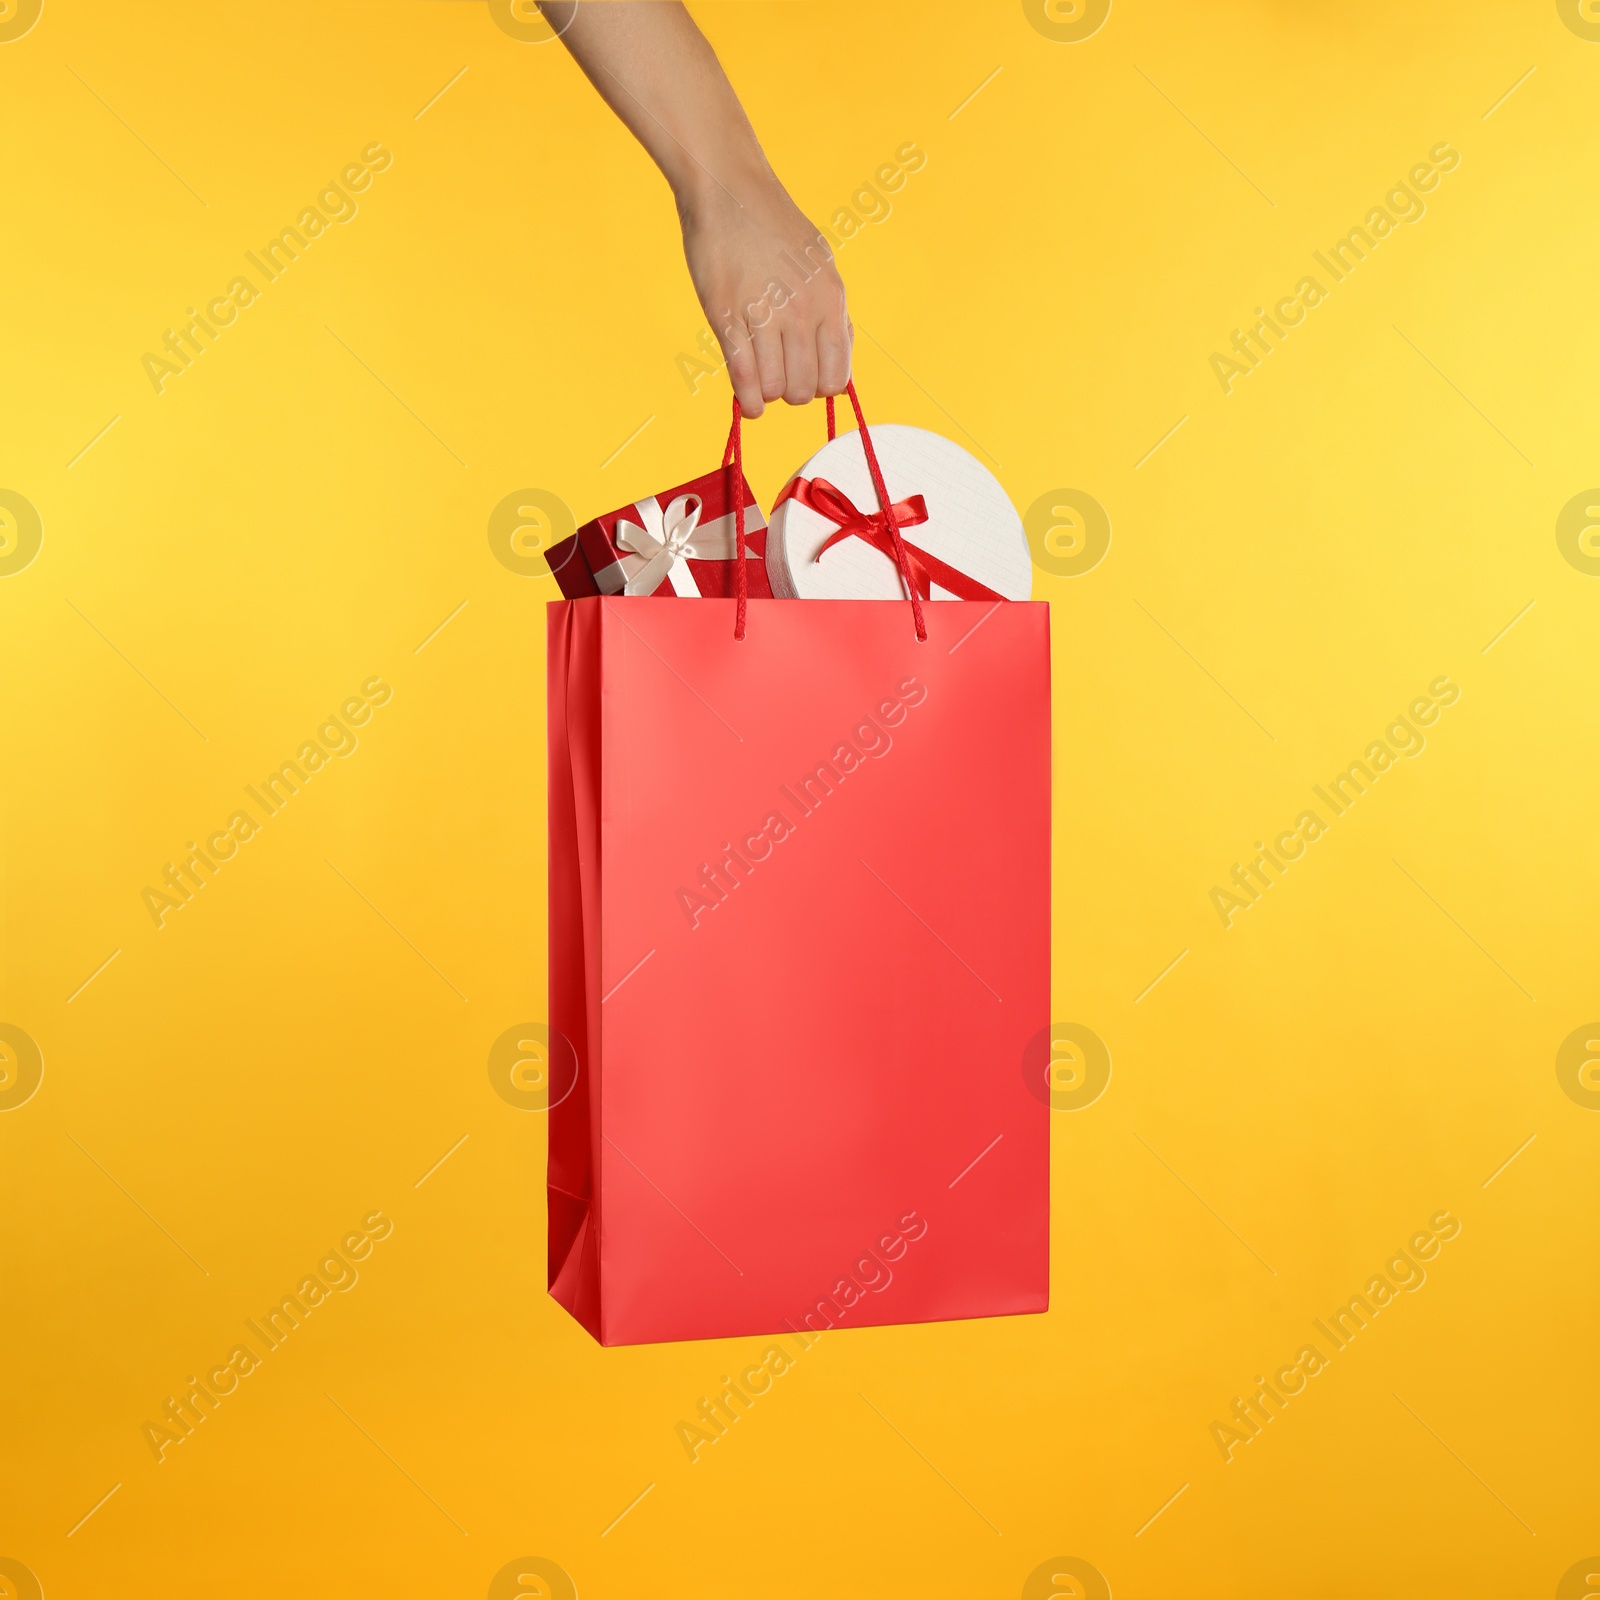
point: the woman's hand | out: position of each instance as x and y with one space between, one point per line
766 280
764 274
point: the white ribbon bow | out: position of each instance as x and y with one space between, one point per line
670 537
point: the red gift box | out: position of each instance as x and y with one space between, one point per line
680 542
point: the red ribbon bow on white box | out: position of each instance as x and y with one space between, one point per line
828 500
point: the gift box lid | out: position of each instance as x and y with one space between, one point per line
950 508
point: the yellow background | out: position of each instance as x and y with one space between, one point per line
303 1042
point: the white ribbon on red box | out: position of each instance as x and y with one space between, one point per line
665 541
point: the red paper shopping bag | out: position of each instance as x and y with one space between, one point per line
799 943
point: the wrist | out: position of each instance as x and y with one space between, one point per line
735 171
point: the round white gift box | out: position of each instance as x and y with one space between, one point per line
972 525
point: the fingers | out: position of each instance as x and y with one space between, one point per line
768 339
770 357
739 352
816 341
833 355
794 351
799 365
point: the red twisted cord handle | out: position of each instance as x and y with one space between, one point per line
734 456
888 515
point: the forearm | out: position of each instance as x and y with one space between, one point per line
654 68
762 270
